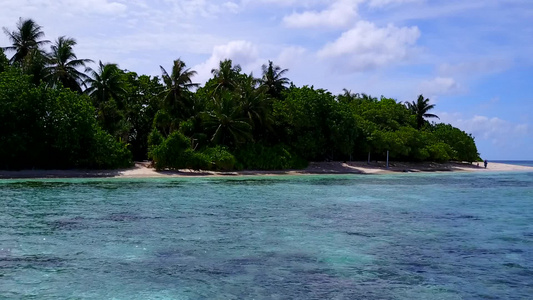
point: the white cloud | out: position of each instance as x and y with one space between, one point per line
496 130
94 6
193 8
242 53
476 66
231 6
291 56
439 86
367 46
495 137
298 3
340 14
63 7
382 3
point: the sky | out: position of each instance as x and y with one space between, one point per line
473 59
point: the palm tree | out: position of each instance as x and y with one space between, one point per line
225 123
420 109
107 91
273 79
25 41
178 85
106 83
368 98
254 103
348 97
226 76
64 63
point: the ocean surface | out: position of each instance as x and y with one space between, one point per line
401 236
527 163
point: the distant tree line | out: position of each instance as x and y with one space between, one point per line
56 112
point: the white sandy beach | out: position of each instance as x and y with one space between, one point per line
143 170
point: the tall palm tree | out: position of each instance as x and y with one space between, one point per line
105 83
253 102
178 85
226 76
63 65
107 91
420 109
224 122
273 79
25 40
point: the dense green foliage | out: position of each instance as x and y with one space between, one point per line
57 113
175 152
51 128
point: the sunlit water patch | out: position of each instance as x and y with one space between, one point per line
413 236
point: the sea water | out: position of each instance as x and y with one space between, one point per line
402 236
526 163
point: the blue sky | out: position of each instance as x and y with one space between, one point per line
473 59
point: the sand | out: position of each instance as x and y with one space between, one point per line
143 170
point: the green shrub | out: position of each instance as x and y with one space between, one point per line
196 160
175 153
439 151
171 152
106 153
155 138
220 158
52 128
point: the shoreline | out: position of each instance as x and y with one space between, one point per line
143 170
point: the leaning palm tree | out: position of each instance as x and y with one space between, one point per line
25 40
105 83
420 109
63 65
178 85
273 79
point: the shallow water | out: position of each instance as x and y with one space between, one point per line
412 236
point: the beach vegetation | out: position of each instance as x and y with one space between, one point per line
26 42
420 110
176 97
64 66
52 128
273 80
60 111
4 62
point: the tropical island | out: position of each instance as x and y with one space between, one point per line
58 113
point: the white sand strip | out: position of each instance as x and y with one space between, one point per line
143 170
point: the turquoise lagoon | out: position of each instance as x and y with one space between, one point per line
405 236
